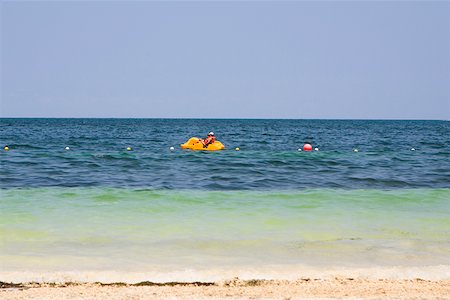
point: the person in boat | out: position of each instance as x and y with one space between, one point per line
209 139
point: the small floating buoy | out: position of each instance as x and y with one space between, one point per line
299 149
172 148
316 149
355 150
129 149
412 149
307 147
6 148
237 149
67 148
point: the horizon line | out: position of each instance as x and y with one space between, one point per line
240 118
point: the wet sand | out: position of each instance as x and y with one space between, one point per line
305 288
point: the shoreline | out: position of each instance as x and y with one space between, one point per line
303 288
282 272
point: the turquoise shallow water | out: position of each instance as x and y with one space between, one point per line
64 229
265 211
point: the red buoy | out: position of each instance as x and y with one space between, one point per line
307 147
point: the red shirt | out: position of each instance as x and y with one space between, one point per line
209 140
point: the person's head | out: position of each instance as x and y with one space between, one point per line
211 133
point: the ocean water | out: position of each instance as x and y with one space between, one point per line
100 212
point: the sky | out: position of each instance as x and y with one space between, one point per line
268 59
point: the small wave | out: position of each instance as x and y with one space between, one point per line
25 147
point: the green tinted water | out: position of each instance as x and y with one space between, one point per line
147 230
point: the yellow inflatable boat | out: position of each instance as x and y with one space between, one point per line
194 143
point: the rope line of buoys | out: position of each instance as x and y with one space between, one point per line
307 147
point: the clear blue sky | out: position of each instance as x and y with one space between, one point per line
369 60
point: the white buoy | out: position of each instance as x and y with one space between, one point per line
412 149
129 149
299 149
237 149
355 150
172 148
316 149
67 148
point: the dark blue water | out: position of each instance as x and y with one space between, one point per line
269 158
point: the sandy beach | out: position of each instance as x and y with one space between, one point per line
305 288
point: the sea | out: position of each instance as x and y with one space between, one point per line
373 200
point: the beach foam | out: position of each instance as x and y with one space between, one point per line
267 272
